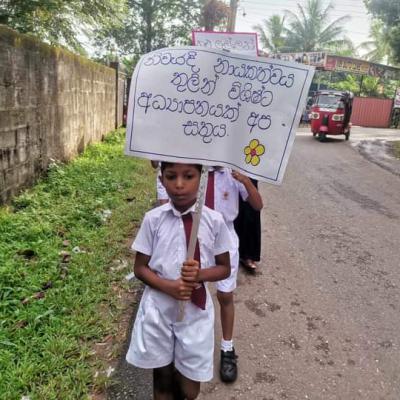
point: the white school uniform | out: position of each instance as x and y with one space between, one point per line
161 192
157 338
226 201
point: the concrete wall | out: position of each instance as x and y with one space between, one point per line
52 104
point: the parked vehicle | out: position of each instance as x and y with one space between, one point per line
330 113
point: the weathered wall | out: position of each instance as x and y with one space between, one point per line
52 104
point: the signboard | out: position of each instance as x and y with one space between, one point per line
352 65
235 42
315 58
211 107
396 103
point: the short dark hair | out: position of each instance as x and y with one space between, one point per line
165 164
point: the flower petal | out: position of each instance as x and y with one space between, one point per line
247 150
253 144
248 158
260 149
255 160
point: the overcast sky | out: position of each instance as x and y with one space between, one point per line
357 29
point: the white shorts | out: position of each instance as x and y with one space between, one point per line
229 284
158 340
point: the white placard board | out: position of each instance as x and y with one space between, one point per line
211 107
235 42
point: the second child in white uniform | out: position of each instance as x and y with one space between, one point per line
228 186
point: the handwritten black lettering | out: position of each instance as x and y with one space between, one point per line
201 108
166 58
262 121
246 93
183 82
266 75
205 130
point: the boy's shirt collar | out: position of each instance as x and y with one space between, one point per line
178 213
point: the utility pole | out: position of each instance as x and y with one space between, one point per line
232 16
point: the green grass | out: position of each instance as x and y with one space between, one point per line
396 149
49 309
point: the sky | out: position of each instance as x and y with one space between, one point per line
357 28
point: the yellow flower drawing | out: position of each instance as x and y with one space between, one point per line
253 151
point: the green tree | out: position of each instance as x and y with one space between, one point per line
378 47
272 32
312 30
389 12
148 25
62 22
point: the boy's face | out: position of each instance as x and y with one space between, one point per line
181 181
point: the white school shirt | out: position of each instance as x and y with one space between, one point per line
162 237
226 198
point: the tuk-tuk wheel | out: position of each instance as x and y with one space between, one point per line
322 137
347 135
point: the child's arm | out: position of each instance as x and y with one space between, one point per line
192 273
254 198
179 289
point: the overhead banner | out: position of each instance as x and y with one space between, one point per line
347 64
214 108
315 58
235 42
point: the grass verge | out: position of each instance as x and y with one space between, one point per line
396 149
57 243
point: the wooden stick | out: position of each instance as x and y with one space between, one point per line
201 194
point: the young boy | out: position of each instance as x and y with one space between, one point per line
224 188
180 353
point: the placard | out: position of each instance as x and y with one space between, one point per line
210 107
235 42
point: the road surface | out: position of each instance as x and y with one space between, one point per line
321 319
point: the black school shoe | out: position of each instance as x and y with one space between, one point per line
228 367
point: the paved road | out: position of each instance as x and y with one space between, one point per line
321 319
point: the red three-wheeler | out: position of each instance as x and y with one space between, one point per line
330 113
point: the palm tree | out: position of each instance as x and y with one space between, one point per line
311 30
378 47
272 33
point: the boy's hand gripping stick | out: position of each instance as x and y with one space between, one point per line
201 194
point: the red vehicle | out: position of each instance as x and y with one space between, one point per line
330 113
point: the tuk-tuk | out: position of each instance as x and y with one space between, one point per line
330 113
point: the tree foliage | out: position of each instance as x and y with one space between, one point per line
272 33
63 22
149 25
378 47
388 11
311 29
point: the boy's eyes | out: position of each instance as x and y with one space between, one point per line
171 177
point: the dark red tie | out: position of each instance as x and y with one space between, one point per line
210 191
199 294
